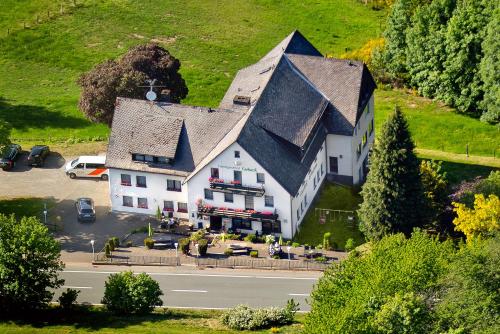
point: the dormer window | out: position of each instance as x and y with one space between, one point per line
150 159
236 154
138 157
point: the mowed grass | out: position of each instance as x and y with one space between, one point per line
334 197
99 321
30 207
39 65
436 127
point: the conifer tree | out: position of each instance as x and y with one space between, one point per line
393 197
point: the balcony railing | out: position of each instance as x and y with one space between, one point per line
209 210
235 187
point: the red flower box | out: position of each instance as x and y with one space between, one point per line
126 184
182 210
267 213
142 206
168 209
215 180
238 210
250 211
222 208
236 182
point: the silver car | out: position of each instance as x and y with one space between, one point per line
85 210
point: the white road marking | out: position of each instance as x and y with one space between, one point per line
199 275
200 291
77 287
299 294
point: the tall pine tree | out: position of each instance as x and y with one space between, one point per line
393 197
490 70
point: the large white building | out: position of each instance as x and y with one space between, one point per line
255 163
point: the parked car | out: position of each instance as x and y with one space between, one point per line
11 154
88 166
37 155
85 210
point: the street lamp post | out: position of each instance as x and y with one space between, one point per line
45 213
288 248
93 250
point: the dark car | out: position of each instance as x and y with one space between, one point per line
37 155
12 152
85 210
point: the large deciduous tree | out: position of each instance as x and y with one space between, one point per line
123 78
481 221
393 198
29 264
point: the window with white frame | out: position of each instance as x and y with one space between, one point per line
298 214
269 201
261 178
182 207
126 180
174 185
236 154
168 205
142 203
214 172
140 181
128 201
209 194
305 200
228 197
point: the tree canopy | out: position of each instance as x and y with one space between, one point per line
123 78
29 264
393 197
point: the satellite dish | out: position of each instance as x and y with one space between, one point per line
151 96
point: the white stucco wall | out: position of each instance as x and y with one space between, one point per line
156 192
309 188
341 147
225 162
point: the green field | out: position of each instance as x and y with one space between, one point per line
39 64
331 197
100 321
30 207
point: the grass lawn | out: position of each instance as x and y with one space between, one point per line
99 321
331 197
25 206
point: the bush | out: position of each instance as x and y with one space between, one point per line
67 300
107 250
349 244
228 252
202 247
269 239
254 253
184 245
232 236
295 244
326 240
115 241
126 293
149 243
276 256
198 235
111 245
320 259
129 243
320 246
243 317
251 238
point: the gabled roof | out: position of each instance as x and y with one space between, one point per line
295 43
159 128
347 84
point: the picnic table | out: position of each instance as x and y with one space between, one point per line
163 241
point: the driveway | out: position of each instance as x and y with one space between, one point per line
52 182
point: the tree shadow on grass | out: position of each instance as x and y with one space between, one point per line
29 116
92 318
457 172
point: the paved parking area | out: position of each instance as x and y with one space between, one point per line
51 182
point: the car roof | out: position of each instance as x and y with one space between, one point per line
39 147
84 202
93 159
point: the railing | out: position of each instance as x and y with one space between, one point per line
237 213
236 188
231 262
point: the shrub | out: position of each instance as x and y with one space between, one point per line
202 247
326 240
107 250
149 243
288 242
111 245
254 253
126 293
320 246
269 239
276 256
228 252
320 259
251 238
129 243
295 244
198 235
232 236
184 245
115 241
243 317
349 244
67 300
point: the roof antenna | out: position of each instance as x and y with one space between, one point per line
151 95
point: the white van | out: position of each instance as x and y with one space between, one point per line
88 166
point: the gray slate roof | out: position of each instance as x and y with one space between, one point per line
296 97
163 129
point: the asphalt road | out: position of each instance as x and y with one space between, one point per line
203 289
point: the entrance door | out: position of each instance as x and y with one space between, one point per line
249 203
215 223
334 165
